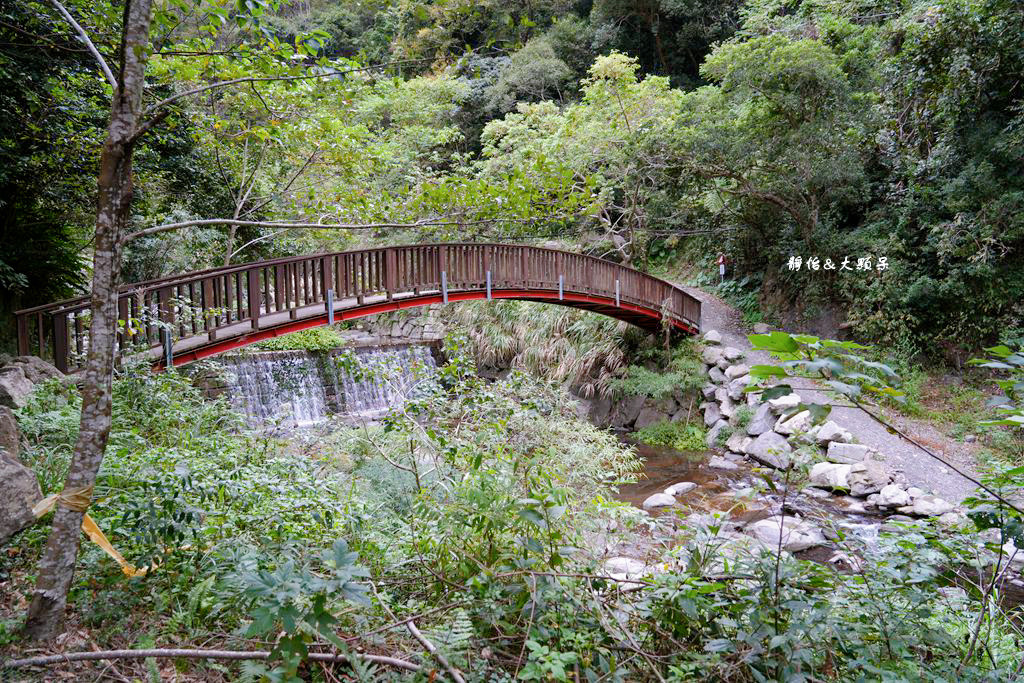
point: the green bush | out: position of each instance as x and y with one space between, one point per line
682 437
313 339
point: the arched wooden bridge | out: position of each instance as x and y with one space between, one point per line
195 315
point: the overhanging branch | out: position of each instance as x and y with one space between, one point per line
84 37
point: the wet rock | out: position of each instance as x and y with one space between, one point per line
771 449
762 328
711 355
658 500
19 492
731 353
800 422
762 421
716 375
892 496
680 488
867 477
720 463
931 506
649 416
10 434
846 453
830 431
830 475
712 337
796 534
780 404
36 369
599 410
712 414
736 371
14 386
711 440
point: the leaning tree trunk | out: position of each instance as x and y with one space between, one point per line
57 566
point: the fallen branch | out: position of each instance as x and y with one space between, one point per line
200 654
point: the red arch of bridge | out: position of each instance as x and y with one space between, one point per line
213 311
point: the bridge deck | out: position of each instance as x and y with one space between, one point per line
204 313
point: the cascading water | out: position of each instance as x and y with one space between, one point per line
299 388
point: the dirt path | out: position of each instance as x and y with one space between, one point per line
901 455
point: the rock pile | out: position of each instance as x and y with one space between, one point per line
773 432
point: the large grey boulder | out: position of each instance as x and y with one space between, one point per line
737 442
846 453
14 386
712 337
771 449
830 431
867 477
762 421
708 390
931 506
892 496
828 475
649 416
599 410
659 500
795 534
625 411
736 371
716 375
36 369
719 463
19 492
711 440
680 488
10 434
800 422
781 404
737 387
712 355
712 414
731 353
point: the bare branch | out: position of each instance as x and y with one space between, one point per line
84 37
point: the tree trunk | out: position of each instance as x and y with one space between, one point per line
56 568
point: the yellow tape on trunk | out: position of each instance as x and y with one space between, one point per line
78 500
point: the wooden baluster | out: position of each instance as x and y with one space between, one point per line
209 303
390 272
253 292
61 351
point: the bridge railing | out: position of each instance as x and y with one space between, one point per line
232 300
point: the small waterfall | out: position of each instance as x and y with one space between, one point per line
299 388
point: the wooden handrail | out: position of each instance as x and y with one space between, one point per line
236 301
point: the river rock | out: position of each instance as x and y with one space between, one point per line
14 386
727 407
754 399
712 337
815 492
830 431
680 488
36 369
915 492
658 500
621 568
762 328
649 416
722 394
724 364
799 422
846 453
10 435
931 506
781 404
796 534
867 477
708 390
625 411
716 375
19 492
711 355
771 449
712 414
736 371
762 421
711 440
956 520
720 463
830 475
892 496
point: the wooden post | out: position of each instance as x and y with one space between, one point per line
390 272
22 335
327 269
60 341
254 297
